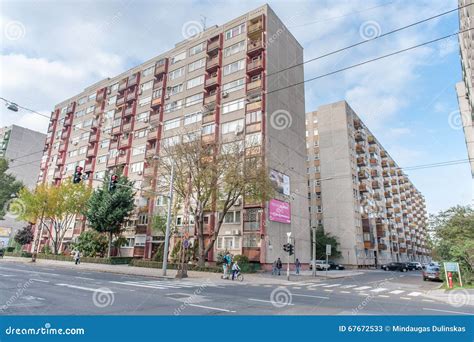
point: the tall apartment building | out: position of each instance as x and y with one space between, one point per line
464 89
359 194
214 83
22 148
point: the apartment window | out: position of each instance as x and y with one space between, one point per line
109 114
233 49
75 127
136 167
161 200
232 126
146 85
200 63
140 134
114 87
175 90
140 240
232 217
254 139
208 129
170 124
70 167
99 175
117 122
250 240
90 109
83 150
142 117
82 100
194 99
104 143
80 113
172 106
138 150
102 159
84 136
192 118
177 58
172 75
194 82
87 123
171 141
92 96
235 31
253 117
112 100
234 85
234 67
191 136
157 93
113 153
73 153
148 71
63 110
233 106
144 101
196 49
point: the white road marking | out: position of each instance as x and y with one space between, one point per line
406 298
140 285
414 294
427 300
6 275
363 294
40 280
347 286
85 288
315 285
84 278
267 285
384 296
397 291
332 285
455 312
28 271
310 296
329 290
296 288
345 292
210 308
362 288
380 289
265 301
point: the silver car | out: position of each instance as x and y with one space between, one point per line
431 273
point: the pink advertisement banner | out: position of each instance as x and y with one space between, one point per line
279 211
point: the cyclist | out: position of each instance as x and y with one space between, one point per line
235 270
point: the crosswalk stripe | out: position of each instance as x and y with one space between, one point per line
414 294
345 292
315 285
332 285
379 289
347 286
397 291
362 288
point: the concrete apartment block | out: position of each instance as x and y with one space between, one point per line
359 194
216 84
464 89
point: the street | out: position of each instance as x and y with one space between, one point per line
29 289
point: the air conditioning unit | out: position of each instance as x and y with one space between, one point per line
151 129
167 97
75 143
140 173
236 232
225 94
146 120
239 130
168 88
227 232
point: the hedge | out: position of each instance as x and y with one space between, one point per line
156 264
110 261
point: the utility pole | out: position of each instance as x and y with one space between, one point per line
168 221
288 264
313 262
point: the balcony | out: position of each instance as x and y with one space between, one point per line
213 44
129 110
210 100
382 246
212 63
254 46
70 108
371 139
363 187
360 148
120 101
112 161
116 130
255 66
154 119
122 159
100 95
359 136
253 106
368 244
65 134
122 86
209 116
361 161
155 103
363 174
62 147
125 142
255 26
68 121
152 134
209 138
254 127
127 127
91 151
255 85
88 167
375 184
211 82
131 96
132 80
150 152
57 175
61 159
160 67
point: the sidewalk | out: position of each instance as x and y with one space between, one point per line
254 278
456 298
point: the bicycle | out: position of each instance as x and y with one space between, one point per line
239 276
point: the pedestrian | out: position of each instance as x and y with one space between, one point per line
77 257
226 262
235 269
279 265
274 268
297 266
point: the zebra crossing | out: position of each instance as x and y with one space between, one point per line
165 284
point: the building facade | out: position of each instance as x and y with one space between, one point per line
359 194
22 148
464 89
215 84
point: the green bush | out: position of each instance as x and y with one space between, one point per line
10 249
25 254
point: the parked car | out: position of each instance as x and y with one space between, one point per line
334 266
320 265
395 266
431 273
2 252
414 266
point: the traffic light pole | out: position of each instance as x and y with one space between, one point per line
314 252
288 264
168 221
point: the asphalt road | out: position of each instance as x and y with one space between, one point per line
28 289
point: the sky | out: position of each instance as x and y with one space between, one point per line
52 50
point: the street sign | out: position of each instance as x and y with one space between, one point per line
451 266
328 249
186 244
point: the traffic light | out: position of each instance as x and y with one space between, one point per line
77 175
113 182
286 247
290 249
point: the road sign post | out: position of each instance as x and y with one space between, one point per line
450 267
328 253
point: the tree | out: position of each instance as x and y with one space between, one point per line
211 177
108 209
158 226
55 207
323 239
452 233
9 187
91 243
24 236
119 242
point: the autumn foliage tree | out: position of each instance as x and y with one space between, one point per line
212 177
